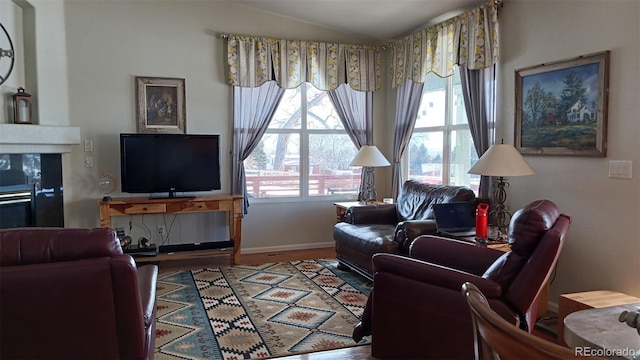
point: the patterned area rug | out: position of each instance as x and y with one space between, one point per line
254 312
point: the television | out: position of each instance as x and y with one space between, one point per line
169 163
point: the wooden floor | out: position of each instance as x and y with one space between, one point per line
362 352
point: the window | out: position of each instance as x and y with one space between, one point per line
305 152
441 150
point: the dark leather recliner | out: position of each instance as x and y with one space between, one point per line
73 294
391 228
416 309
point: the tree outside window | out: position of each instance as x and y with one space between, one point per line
305 152
441 149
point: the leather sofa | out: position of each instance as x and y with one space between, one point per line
390 228
73 294
416 308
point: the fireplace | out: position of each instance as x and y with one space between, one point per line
17 206
31 161
31 192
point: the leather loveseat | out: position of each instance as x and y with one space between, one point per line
390 228
72 294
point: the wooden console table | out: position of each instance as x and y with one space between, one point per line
232 204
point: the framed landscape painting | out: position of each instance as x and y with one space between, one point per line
561 107
160 105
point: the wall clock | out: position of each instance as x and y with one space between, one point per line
7 53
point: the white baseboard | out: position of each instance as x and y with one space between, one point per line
268 249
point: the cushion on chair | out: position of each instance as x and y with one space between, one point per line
526 229
24 246
529 224
415 201
505 268
356 244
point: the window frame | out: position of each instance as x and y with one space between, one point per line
304 134
447 129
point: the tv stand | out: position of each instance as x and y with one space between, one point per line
232 204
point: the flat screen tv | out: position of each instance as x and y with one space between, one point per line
169 163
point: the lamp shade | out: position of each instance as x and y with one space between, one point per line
369 155
502 160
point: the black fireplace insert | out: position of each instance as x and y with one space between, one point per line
31 190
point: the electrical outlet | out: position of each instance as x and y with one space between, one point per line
120 232
161 231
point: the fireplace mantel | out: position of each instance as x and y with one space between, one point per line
43 139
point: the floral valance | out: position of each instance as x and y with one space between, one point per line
254 60
469 39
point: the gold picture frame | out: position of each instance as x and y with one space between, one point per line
561 107
160 105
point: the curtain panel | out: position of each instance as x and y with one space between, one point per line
355 109
253 61
253 109
479 96
469 39
408 101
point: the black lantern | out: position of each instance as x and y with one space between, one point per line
22 109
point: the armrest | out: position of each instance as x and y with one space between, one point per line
372 214
462 255
408 230
147 279
433 274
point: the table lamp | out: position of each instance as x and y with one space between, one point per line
501 160
368 157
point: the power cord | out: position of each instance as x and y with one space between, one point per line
165 238
147 231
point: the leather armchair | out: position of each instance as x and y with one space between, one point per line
73 294
391 228
416 309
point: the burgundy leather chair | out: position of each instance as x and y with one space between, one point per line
416 309
73 294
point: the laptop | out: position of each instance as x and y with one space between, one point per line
454 219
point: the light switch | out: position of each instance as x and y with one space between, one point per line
620 169
88 145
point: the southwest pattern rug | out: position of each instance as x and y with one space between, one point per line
254 312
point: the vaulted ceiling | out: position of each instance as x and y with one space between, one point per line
376 20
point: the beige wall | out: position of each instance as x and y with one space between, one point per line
111 42
108 43
603 244
40 65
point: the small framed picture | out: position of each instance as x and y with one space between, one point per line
160 105
561 107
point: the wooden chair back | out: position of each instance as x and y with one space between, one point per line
495 338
